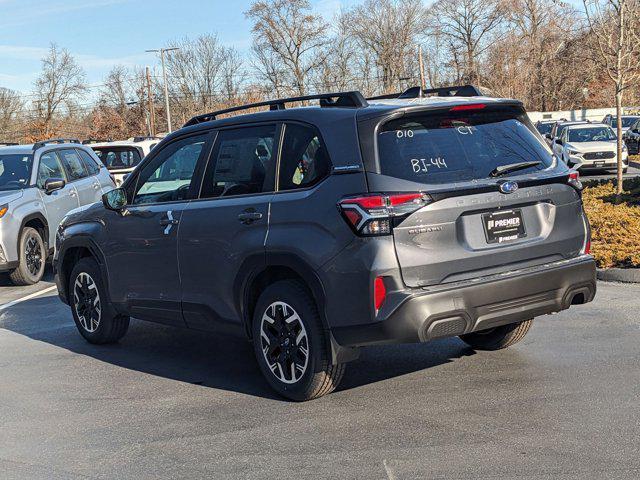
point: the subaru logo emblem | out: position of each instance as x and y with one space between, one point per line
508 187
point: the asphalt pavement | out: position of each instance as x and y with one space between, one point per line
168 403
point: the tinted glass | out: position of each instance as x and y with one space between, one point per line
304 159
544 128
118 157
50 167
168 177
593 134
458 146
15 170
90 164
72 164
242 162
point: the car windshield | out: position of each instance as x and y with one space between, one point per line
116 158
15 170
626 121
593 134
544 128
457 146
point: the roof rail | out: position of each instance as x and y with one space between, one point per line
417 92
41 144
341 99
89 141
8 144
142 138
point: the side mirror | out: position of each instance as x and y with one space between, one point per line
53 184
547 135
115 199
636 130
558 141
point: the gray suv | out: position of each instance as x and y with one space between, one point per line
39 185
315 231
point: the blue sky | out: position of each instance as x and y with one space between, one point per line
104 33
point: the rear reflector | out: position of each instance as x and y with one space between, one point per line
370 215
379 292
472 106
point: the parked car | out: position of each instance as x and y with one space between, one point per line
556 134
632 138
123 156
316 231
591 146
39 185
545 127
627 121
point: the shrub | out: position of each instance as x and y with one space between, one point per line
615 225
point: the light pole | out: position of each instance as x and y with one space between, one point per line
164 78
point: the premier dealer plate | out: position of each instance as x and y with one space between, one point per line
503 226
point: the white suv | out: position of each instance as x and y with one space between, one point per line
590 146
123 156
39 185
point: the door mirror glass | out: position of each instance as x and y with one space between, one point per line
53 184
548 135
115 199
558 141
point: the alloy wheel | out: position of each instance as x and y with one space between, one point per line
284 341
33 255
87 302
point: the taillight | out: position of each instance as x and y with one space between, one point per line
587 247
574 180
371 215
379 292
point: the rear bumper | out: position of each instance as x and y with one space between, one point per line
479 304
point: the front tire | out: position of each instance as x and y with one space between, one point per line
32 258
497 338
96 319
291 345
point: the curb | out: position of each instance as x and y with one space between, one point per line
624 275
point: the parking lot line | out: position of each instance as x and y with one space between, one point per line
27 297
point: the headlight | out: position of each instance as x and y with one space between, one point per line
3 209
573 152
624 147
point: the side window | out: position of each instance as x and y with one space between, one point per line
90 164
168 177
72 164
242 163
50 167
304 159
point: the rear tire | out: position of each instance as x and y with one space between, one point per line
32 258
497 338
96 319
290 344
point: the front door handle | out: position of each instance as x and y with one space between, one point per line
249 216
72 193
168 222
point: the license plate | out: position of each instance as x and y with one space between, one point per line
503 226
599 164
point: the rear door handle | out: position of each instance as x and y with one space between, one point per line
249 216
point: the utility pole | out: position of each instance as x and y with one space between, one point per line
152 110
166 87
423 83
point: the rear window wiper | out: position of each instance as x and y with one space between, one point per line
512 167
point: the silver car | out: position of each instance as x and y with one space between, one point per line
39 185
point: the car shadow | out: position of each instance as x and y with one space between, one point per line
207 359
5 281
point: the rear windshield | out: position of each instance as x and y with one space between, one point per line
115 158
626 121
444 147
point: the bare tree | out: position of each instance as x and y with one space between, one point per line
11 104
59 85
288 41
469 25
388 30
614 25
